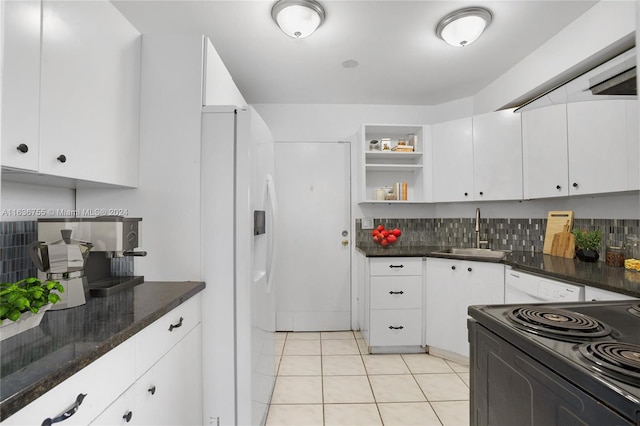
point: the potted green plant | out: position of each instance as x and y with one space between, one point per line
587 244
23 303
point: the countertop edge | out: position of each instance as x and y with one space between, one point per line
29 394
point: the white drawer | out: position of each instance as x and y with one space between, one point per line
404 292
393 266
158 338
396 327
102 381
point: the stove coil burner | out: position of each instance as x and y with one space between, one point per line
615 359
557 323
635 309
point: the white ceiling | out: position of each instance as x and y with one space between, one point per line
401 61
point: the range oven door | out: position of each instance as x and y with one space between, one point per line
508 388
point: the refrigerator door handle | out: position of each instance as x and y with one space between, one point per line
273 209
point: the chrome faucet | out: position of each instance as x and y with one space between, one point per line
477 230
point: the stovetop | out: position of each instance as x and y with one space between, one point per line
595 345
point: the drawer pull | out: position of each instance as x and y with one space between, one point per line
152 390
395 328
179 324
127 416
469 269
68 412
396 266
396 292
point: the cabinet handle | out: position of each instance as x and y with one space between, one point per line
453 268
62 158
395 328
558 187
67 413
481 193
23 148
575 184
466 193
152 390
127 416
179 324
396 266
396 292
469 269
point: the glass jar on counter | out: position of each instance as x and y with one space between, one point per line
632 253
614 256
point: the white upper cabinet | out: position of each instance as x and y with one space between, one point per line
20 84
90 91
383 168
478 158
497 156
453 160
545 156
602 140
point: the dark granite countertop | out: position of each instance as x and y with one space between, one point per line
596 274
67 340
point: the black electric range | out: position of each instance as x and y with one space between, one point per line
555 364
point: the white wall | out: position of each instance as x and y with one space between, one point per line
22 196
601 26
332 122
168 197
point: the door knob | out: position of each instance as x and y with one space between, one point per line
345 242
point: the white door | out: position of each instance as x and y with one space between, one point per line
313 264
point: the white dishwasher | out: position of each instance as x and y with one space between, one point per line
521 287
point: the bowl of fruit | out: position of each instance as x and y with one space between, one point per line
385 237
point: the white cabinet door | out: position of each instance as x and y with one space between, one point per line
593 294
497 156
453 160
545 157
170 393
452 286
598 151
90 90
101 382
20 84
633 146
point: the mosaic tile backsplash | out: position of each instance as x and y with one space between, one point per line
15 263
502 234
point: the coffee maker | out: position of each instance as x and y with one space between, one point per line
114 240
64 261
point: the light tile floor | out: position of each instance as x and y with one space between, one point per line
327 378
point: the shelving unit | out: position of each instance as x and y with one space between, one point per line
385 168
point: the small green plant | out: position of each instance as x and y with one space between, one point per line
29 294
588 240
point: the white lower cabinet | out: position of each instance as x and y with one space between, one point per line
168 394
451 287
593 294
100 382
393 304
153 378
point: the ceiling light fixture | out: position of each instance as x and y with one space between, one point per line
464 26
298 18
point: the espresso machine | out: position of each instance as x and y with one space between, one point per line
109 267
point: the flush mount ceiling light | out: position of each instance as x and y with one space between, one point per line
464 26
298 18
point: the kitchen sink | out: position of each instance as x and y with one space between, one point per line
473 252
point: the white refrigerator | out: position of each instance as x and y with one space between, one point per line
238 211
